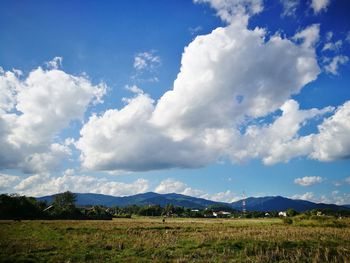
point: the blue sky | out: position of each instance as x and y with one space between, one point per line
208 98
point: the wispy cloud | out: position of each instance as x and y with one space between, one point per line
334 64
319 5
195 30
146 60
289 7
309 196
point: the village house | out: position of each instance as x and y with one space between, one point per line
282 214
221 214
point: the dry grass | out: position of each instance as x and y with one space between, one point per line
178 240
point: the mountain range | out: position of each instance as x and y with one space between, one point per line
149 198
268 203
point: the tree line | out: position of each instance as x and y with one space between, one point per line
19 207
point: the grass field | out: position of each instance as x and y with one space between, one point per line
177 240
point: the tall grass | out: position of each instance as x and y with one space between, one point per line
178 240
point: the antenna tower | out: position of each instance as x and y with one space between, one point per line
243 203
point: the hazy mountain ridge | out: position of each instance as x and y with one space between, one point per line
279 203
268 203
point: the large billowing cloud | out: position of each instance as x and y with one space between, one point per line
333 140
34 109
232 74
227 78
126 140
279 140
232 98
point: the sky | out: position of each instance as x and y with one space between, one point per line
218 99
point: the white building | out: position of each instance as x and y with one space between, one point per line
284 214
221 214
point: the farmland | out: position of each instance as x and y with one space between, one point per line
177 240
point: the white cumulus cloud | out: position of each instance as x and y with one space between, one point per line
225 196
335 197
45 184
230 80
55 63
34 109
229 10
308 180
333 140
227 78
126 140
279 140
309 196
8 181
174 186
309 35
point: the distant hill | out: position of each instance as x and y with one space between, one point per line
268 203
279 203
149 198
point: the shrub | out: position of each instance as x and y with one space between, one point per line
287 221
122 216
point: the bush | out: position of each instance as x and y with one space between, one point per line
122 216
321 218
287 221
291 212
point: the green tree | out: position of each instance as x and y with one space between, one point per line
151 210
64 207
20 207
168 210
65 200
291 212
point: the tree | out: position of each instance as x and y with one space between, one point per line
168 210
151 210
64 207
65 200
291 212
20 207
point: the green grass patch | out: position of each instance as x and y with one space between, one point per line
178 240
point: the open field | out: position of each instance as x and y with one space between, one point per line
178 240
